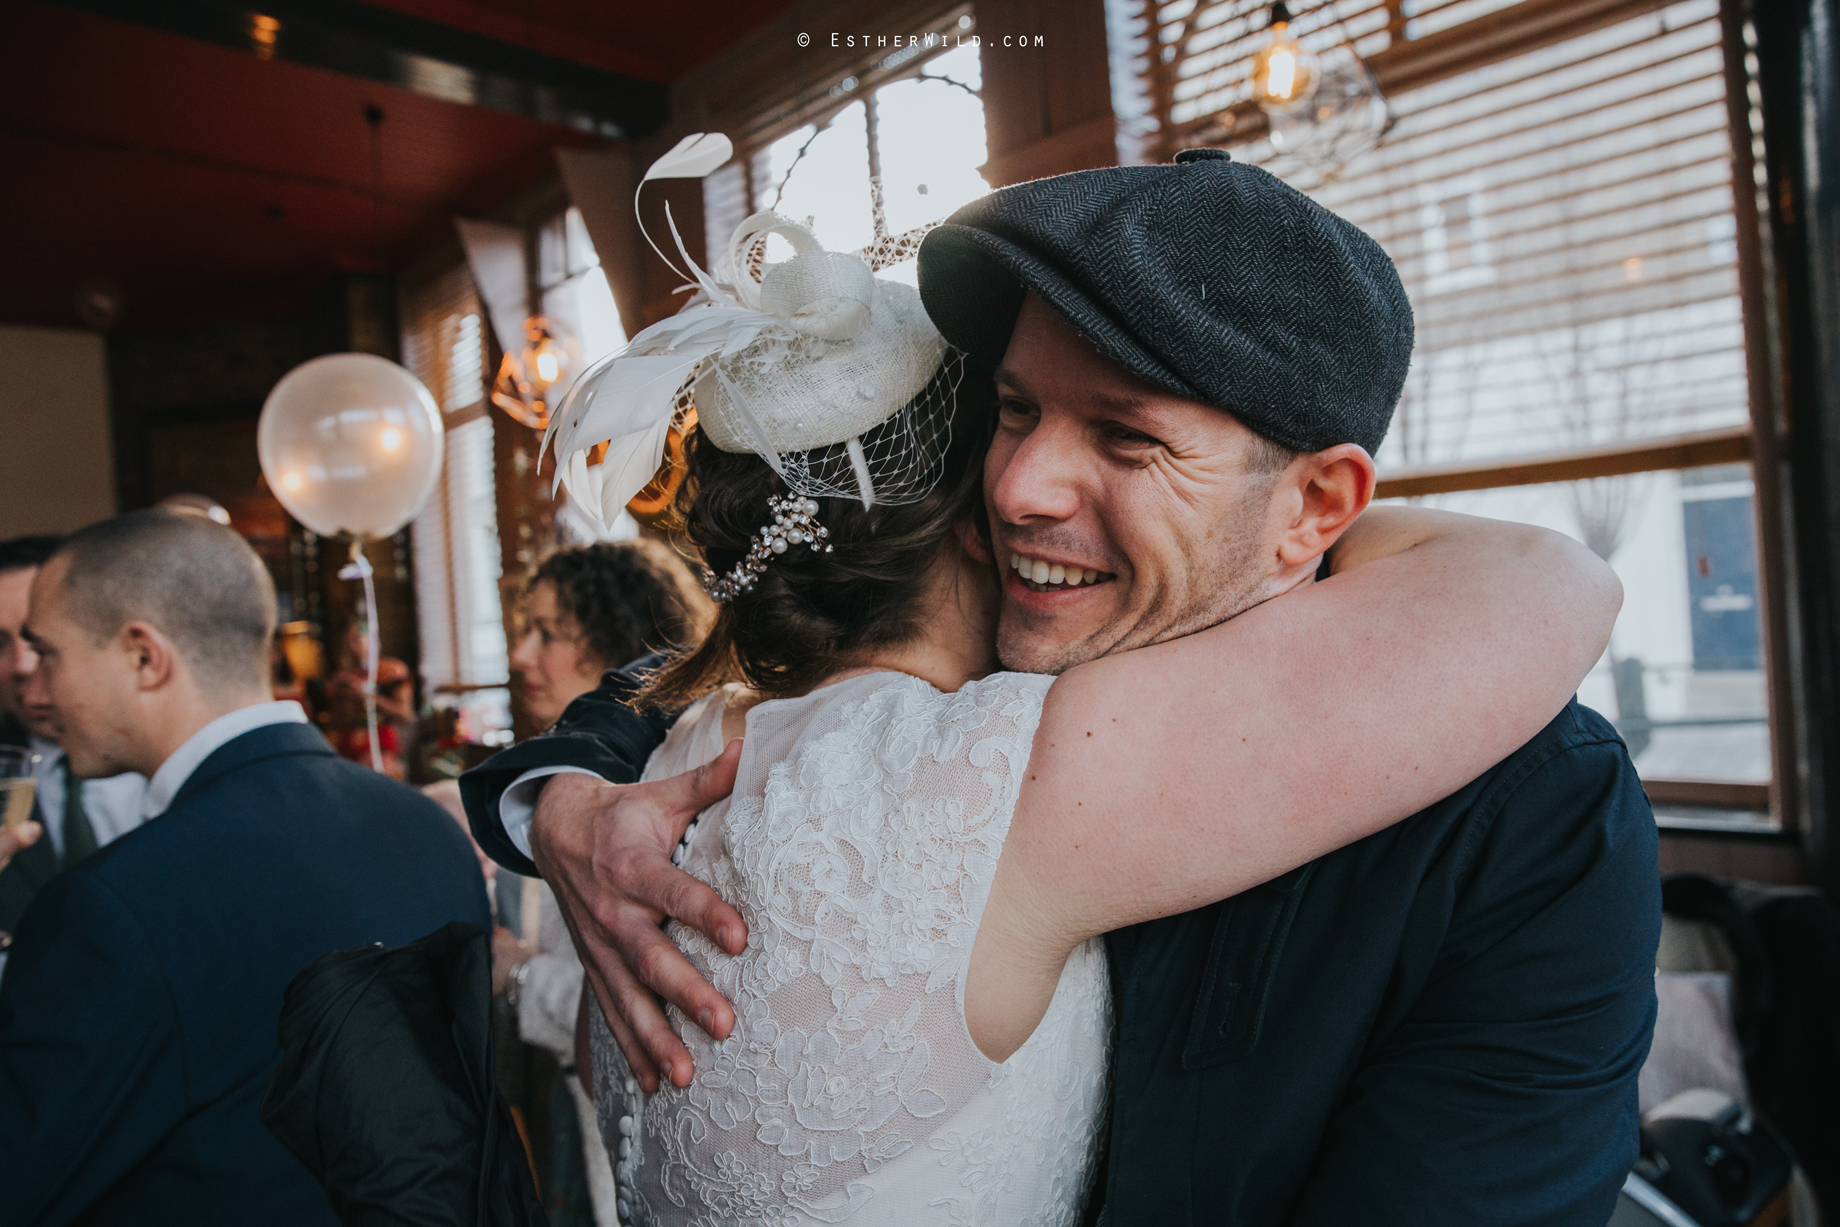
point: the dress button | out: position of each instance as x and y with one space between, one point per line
626 1126
625 1147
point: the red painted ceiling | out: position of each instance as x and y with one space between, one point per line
655 42
209 185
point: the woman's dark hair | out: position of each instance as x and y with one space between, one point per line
810 614
628 598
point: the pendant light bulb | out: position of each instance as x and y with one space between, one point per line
543 357
534 378
1284 72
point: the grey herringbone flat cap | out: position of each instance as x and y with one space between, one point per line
1212 279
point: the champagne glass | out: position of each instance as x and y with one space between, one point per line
17 786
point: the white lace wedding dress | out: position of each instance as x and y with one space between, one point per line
859 844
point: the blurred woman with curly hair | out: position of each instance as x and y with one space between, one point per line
597 607
587 609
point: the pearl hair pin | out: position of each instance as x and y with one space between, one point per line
795 522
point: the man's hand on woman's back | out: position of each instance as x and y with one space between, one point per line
605 849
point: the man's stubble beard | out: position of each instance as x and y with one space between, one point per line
1232 585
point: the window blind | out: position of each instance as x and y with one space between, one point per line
1561 217
455 538
443 340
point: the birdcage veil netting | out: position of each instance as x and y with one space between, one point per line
904 457
776 411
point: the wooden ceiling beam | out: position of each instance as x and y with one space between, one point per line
423 57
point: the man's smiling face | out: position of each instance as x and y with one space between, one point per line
1161 507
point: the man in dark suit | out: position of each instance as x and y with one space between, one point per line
1440 1024
71 818
138 1015
31 862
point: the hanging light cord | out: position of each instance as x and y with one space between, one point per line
373 116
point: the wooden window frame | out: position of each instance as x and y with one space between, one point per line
1525 27
1702 449
816 103
409 289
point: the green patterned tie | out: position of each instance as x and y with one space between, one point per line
79 836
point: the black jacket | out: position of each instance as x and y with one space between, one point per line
385 1089
1440 1024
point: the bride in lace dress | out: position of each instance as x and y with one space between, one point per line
926 850
860 844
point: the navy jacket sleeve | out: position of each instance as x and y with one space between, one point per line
92 1071
599 732
1505 1091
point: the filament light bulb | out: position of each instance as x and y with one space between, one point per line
549 359
1284 73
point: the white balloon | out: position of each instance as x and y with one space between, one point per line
351 444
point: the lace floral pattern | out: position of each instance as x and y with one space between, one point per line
860 844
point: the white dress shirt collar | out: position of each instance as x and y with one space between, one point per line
178 767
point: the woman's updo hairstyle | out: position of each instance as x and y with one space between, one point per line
810 613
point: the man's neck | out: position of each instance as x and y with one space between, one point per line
184 717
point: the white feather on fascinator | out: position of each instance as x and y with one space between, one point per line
834 377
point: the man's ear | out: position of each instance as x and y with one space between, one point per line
1336 485
150 655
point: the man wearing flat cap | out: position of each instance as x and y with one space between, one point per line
1439 1024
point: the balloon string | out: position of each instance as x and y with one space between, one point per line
359 568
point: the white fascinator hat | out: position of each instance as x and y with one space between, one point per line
833 376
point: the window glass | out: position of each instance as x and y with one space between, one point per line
925 136
466 361
455 538
931 136
1562 219
1683 679
826 184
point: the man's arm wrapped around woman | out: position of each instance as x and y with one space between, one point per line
599 733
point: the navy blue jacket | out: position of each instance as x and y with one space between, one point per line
138 1012
1438 1025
